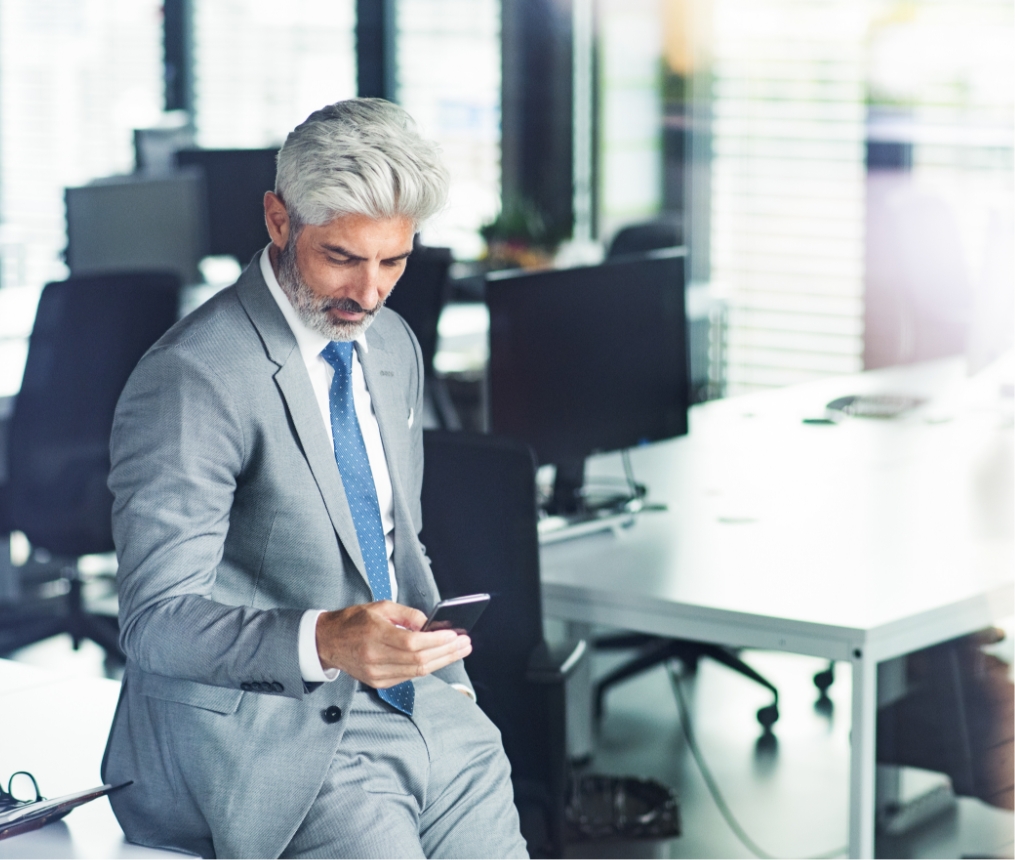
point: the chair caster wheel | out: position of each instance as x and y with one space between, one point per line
768 716
823 680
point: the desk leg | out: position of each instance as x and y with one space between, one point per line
579 699
862 768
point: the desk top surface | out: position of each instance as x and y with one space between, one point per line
859 525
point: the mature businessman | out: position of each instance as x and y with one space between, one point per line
279 696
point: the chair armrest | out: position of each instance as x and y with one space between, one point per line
552 665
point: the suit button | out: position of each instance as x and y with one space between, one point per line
246 686
332 714
276 687
258 686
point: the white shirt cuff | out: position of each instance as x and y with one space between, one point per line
310 662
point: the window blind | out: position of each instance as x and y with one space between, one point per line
788 103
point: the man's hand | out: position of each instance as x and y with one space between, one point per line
381 644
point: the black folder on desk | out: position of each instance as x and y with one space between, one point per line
31 816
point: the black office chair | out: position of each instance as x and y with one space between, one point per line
419 297
645 236
479 529
89 334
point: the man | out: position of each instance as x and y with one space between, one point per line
279 696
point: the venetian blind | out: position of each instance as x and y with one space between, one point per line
788 187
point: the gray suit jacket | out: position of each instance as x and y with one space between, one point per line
230 520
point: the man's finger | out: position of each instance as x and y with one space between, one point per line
414 641
422 663
414 649
401 616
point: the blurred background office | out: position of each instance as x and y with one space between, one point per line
840 173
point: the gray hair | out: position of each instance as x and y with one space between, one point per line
359 157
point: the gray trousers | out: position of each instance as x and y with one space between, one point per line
435 785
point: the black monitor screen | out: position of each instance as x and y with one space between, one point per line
236 181
589 359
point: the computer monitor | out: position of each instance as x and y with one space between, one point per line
588 359
236 180
155 148
131 223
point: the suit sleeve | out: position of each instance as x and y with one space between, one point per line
177 451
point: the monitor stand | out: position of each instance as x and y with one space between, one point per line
568 513
567 498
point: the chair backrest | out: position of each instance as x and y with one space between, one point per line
479 529
646 236
420 296
89 333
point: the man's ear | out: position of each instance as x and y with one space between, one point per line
276 219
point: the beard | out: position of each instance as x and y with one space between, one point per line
313 310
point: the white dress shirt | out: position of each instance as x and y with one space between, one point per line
321 373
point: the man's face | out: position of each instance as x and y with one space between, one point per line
338 275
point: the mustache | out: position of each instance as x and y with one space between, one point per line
349 306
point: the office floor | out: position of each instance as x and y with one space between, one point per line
791 800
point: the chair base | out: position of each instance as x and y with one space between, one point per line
658 650
47 601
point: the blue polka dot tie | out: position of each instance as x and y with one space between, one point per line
358 480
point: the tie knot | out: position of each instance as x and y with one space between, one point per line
338 354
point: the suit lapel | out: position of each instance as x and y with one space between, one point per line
294 386
386 385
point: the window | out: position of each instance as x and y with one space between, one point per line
940 215
75 80
788 187
850 180
448 78
260 67
630 112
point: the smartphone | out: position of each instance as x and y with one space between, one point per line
458 613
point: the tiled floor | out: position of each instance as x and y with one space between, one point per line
791 800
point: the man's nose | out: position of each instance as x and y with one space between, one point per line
368 285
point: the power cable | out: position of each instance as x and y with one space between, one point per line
712 785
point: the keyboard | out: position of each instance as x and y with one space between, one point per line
873 405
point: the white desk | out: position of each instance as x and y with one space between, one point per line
55 726
859 541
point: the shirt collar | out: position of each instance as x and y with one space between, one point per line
310 342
